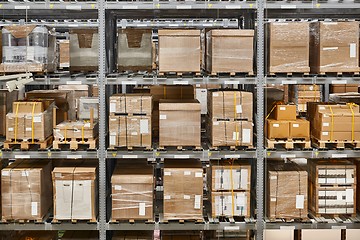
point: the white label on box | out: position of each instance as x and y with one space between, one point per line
273 177
112 140
276 125
325 133
235 135
295 125
118 187
37 119
87 125
134 133
144 126
216 123
25 173
353 50
112 107
273 199
300 201
215 94
349 195
238 109
142 209
167 197
241 199
163 117
246 135
58 175
10 129
34 208
322 108
311 88
197 201
244 179
5 173
325 124
198 174
187 173
282 108
167 173
330 48
28 129
186 197
339 196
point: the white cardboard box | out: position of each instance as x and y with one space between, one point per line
352 234
319 234
278 234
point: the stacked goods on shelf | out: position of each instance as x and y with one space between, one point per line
130 120
30 123
28 48
288 44
26 190
35 235
77 235
230 51
332 187
183 190
84 50
287 188
302 94
86 105
132 235
334 123
283 128
180 123
344 88
230 118
95 90
334 47
345 98
201 94
229 183
64 54
179 51
78 92
75 193
134 50
6 102
132 186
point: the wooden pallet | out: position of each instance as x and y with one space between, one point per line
132 221
28 144
334 144
183 221
75 221
289 220
131 148
180 148
231 74
130 114
289 74
338 74
22 221
75 144
288 143
232 148
179 74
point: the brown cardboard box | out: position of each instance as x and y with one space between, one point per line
230 51
334 47
180 123
230 204
64 54
79 235
133 235
130 131
299 129
26 190
134 50
6 100
277 129
180 200
230 133
179 50
284 112
344 88
131 103
75 193
287 191
288 47
224 104
95 91
36 235
132 190
76 130
84 50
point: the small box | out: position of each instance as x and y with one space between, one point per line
85 106
285 112
277 129
300 129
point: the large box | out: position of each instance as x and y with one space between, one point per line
179 50
86 105
230 51
334 47
84 50
287 191
230 204
132 190
131 103
134 50
288 47
26 190
6 102
75 193
64 54
28 48
180 123
277 129
80 235
76 130
284 112
183 189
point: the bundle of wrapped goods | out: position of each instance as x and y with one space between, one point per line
230 117
344 88
180 123
287 188
79 91
332 187
134 50
6 102
26 190
302 94
75 193
179 51
84 50
85 106
230 51
229 184
288 47
334 47
77 235
130 120
132 191
183 189
28 48
64 54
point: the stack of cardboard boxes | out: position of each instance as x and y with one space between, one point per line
229 184
6 103
302 94
344 88
130 120
64 54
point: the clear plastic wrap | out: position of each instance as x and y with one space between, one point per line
230 204
26 190
81 129
78 92
230 133
131 103
85 105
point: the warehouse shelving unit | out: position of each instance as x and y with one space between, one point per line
102 13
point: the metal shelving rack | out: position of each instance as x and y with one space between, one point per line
48 10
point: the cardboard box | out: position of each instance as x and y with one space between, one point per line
230 133
75 193
131 103
277 129
6 102
314 234
180 200
26 190
284 112
279 234
299 129
64 54
84 50
179 50
134 50
78 235
180 123
130 131
225 104
287 189
352 234
334 47
132 190
230 204
76 130
86 105
230 51
133 235
344 88
78 92
288 44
